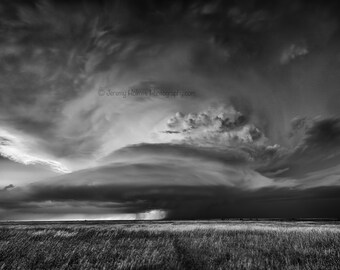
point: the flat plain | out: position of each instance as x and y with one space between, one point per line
227 244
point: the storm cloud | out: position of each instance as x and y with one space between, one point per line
258 135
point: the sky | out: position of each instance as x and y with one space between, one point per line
169 109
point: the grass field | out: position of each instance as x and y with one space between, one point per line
170 245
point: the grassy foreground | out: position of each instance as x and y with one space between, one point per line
170 245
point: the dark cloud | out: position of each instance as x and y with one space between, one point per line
157 171
180 202
8 187
182 180
324 133
53 50
317 148
263 63
4 141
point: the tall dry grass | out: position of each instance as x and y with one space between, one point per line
179 245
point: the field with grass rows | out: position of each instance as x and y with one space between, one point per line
170 245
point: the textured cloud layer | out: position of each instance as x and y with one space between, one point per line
253 66
55 57
180 181
219 127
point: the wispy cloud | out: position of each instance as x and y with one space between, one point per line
23 149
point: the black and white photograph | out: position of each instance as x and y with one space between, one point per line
170 134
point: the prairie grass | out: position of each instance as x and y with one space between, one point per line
170 245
